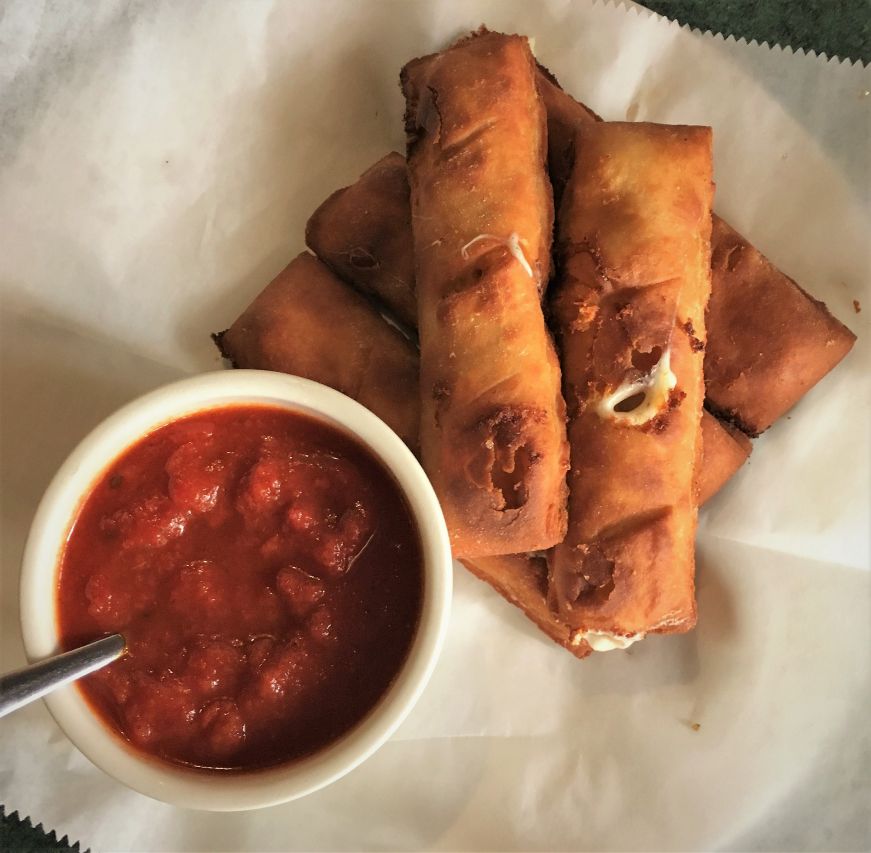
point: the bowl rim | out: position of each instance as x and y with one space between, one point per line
214 790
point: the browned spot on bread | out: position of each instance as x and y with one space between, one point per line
661 421
695 343
594 581
441 391
506 456
361 259
441 394
727 256
645 361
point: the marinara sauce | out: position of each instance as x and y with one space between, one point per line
267 574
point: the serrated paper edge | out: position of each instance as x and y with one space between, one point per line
821 58
27 822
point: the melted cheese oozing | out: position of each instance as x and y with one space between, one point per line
605 641
512 243
656 387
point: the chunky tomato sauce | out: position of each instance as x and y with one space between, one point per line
267 574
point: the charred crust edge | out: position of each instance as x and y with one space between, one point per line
218 338
733 418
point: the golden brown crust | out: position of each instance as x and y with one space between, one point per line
309 323
769 342
724 450
634 241
492 417
363 233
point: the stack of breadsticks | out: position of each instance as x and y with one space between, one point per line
583 381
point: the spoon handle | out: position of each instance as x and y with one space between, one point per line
34 681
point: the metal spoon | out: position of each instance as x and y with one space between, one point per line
34 681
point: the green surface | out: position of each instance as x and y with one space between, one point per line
834 27
20 836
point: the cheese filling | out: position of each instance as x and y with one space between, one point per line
605 641
512 243
655 388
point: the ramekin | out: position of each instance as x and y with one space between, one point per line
231 791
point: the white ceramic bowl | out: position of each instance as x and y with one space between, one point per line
253 789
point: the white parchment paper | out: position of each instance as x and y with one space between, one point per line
158 161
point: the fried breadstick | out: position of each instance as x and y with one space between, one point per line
521 580
492 416
769 342
724 450
309 323
363 233
347 232
628 307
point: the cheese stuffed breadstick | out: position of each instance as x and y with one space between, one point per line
629 312
309 323
492 415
